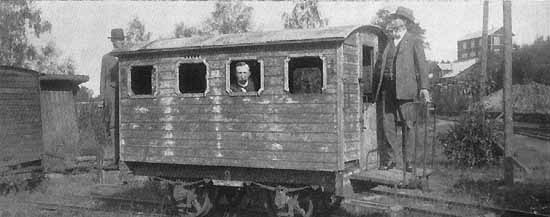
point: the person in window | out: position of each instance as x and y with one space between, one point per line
244 82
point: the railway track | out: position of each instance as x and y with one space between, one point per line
57 207
371 203
539 133
415 205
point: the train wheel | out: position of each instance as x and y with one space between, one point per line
192 201
229 201
281 204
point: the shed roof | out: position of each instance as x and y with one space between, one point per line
18 69
74 79
249 39
529 98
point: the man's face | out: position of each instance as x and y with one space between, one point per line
242 72
117 43
396 28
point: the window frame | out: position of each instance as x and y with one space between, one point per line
177 75
154 82
228 76
323 58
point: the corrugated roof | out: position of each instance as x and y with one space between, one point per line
250 39
459 66
478 34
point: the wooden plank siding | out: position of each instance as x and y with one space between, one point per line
369 134
60 129
20 119
352 100
274 130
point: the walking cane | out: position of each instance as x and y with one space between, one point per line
425 146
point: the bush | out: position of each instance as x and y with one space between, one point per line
472 141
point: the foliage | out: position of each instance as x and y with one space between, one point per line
84 94
473 141
305 15
20 22
183 31
531 63
48 60
531 197
383 18
229 17
135 32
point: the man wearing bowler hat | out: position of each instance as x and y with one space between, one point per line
404 80
109 92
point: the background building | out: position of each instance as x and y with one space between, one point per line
469 46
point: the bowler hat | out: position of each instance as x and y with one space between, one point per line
117 34
404 13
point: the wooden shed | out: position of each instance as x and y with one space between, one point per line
20 121
303 124
59 119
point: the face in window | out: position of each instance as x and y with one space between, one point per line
242 72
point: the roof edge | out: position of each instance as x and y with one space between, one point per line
120 53
20 69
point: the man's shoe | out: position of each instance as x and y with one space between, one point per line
408 168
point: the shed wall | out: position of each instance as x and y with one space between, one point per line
274 130
60 129
20 126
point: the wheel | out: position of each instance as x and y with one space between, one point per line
192 201
229 201
280 203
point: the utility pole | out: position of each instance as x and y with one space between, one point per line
483 79
507 94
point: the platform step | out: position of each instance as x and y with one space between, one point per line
391 177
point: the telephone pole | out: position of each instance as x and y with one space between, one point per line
507 94
483 79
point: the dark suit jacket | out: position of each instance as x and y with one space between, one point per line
251 87
411 70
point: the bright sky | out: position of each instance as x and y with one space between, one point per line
80 28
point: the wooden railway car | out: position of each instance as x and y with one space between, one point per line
302 127
20 127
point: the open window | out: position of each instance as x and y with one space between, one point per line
305 74
367 71
192 78
244 76
141 80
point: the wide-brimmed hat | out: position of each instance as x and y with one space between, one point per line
117 34
404 12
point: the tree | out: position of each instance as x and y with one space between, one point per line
383 18
135 32
183 31
48 60
229 17
18 21
305 15
84 94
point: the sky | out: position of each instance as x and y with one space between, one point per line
80 28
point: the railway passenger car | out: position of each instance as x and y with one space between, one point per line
300 130
20 127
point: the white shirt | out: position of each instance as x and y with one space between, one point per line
401 34
243 86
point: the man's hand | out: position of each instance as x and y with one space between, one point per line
425 95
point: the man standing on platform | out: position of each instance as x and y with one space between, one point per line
404 80
109 93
